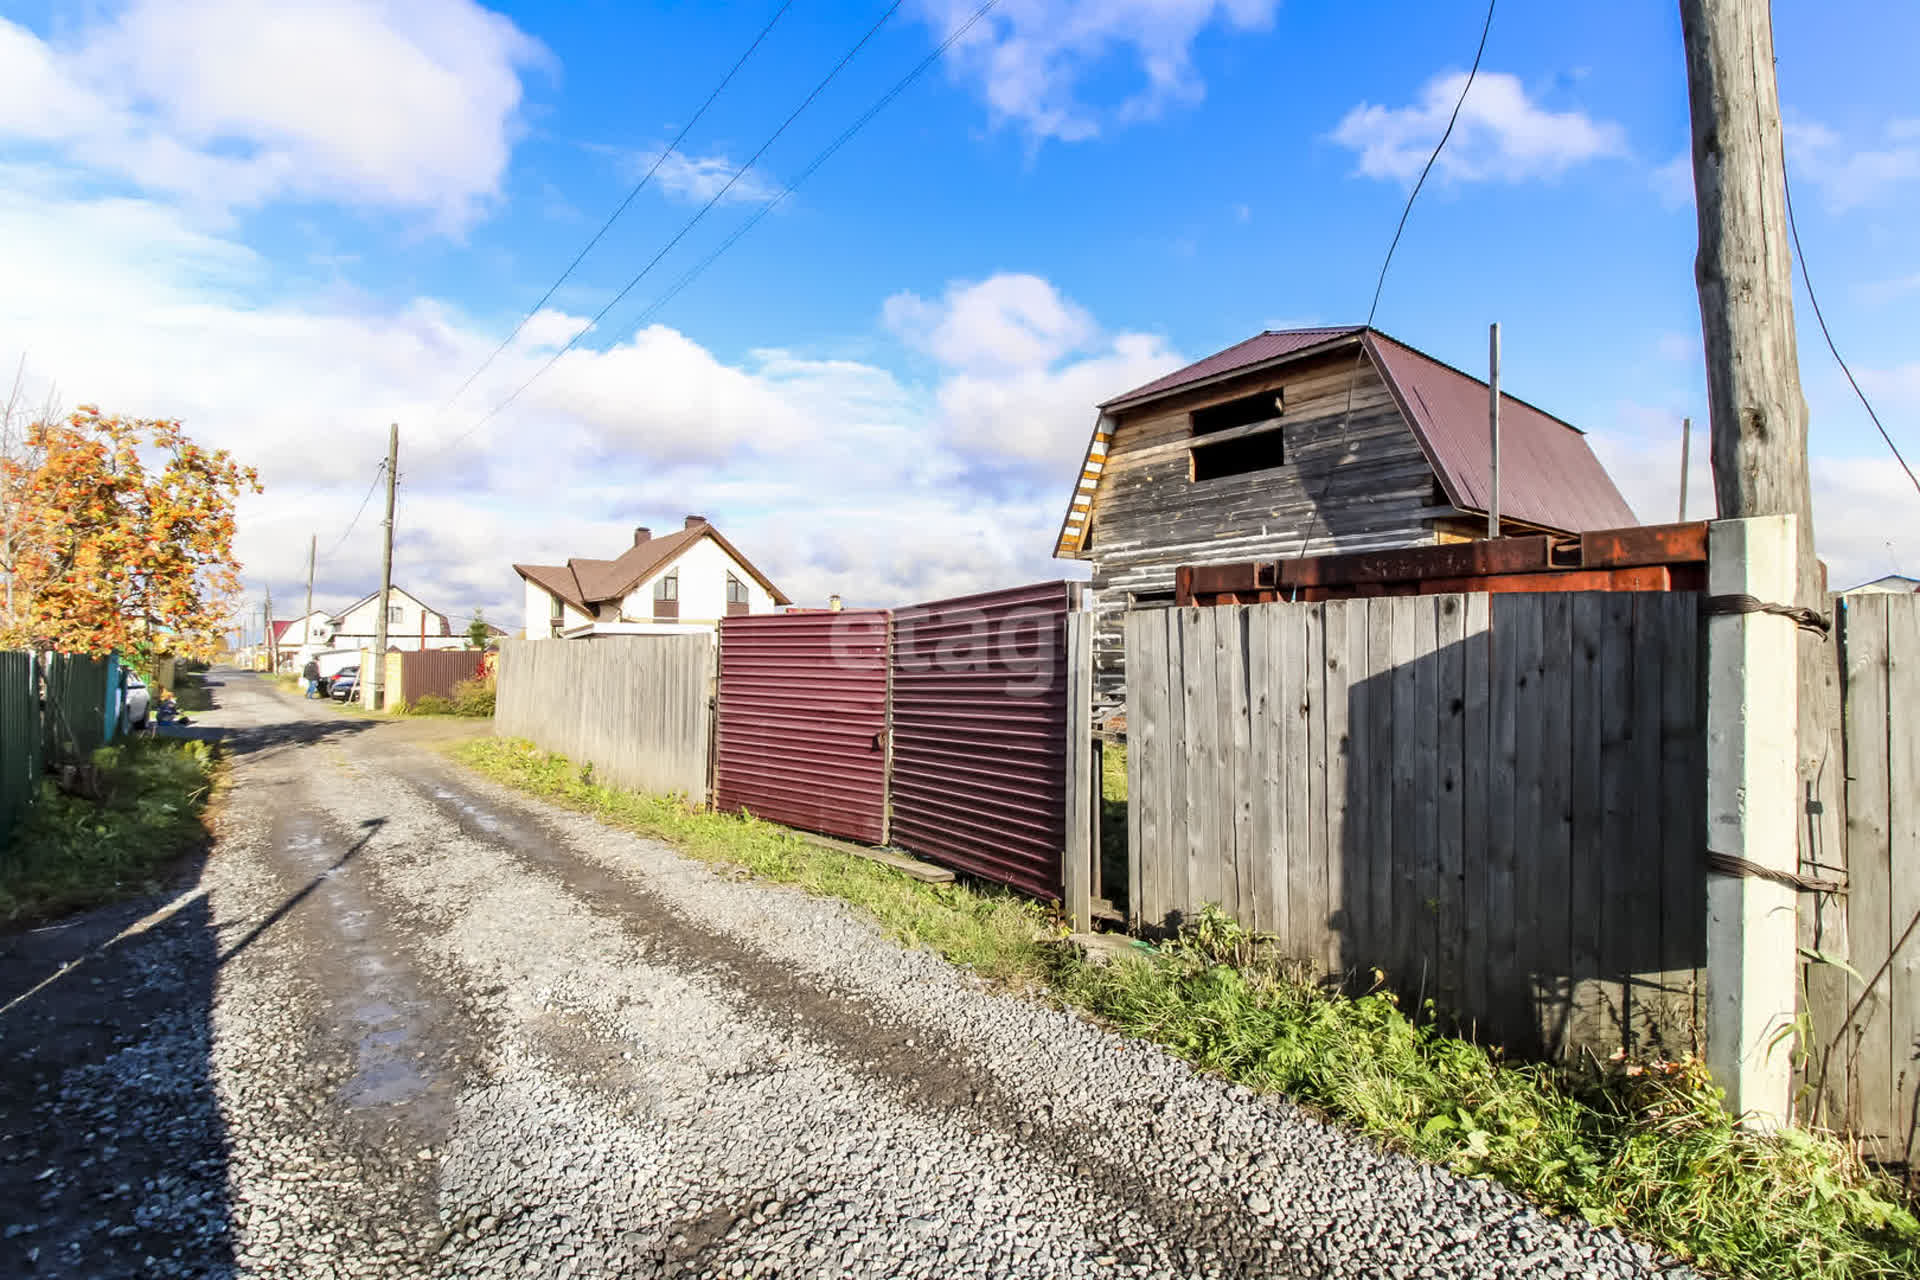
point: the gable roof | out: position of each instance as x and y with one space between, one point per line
1548 475
583 583
280 626
340 617
1892 584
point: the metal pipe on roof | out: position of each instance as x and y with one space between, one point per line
1493 425
1686 447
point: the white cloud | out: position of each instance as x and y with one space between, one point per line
394 104
834 474
1672 182
1851 176
1033 59
1022 368
1502 134
699 179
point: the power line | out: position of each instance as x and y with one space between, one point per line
679 235
1807 280
1360 349
615 215
378 471
879 105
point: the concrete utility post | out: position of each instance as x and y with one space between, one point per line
1759 452
372 682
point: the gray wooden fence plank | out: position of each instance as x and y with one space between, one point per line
1503 979
1867 1052
1552 878
1475 831
1362 767
1302 938
1617 802
1185 660
1265 766
1335 696
1083 783
1319 910
1683 869
1422 921
1903 871
1205 787
1383 942
1450 622
1521 630
1588 837
1146 656
1238 745
1641 963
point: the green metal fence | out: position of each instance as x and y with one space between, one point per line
22 740
78 689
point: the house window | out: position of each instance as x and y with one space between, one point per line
393 615
666 598
736 596
1247 435
556 614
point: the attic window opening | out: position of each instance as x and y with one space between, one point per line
1238 457
1267 406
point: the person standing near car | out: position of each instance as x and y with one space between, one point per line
311 674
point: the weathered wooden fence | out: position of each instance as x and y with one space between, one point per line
635 707
1868 1056
1493 799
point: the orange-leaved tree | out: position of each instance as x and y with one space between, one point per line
116 535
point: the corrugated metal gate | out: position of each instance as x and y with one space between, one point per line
802 721
979 733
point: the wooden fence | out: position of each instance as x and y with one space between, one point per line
1496 800
1868 1059
635 707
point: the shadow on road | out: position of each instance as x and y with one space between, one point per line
113 1153
369 829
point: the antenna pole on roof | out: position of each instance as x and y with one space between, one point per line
1686 449
1493 425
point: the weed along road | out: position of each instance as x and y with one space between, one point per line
403 1022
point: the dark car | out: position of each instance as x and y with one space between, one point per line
340 688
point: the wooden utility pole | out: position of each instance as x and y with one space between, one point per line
372 682
1758 427
273 649
1493 426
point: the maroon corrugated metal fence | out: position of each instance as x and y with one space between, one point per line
979 733
802 719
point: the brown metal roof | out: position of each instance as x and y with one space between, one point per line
582 582
1548 475
1260 348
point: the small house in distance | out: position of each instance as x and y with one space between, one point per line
1309 442
685 581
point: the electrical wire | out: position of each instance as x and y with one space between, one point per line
378 471
1807 280
615 215
1380 283
679 235
859 123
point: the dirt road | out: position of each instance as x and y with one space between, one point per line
403 1022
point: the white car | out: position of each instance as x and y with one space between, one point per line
135 706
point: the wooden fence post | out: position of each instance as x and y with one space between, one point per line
1083 781
1752 803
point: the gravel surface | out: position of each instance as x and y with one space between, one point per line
405 1022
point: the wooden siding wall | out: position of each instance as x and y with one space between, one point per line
635 707
1494 799
1869 1028
1371 487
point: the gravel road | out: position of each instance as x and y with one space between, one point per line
402 1022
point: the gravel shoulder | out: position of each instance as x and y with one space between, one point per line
407 1022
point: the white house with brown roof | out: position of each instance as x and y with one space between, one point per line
685 581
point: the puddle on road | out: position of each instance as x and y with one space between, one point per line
375 1002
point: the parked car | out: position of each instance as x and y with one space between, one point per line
341 687
136 705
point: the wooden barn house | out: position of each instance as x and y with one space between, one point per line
1309 442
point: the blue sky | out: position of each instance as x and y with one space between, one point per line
292 224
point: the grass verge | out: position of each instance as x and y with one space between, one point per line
74 851
1643 1147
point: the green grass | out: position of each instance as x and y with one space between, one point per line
74 852
997 934
1645 1147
